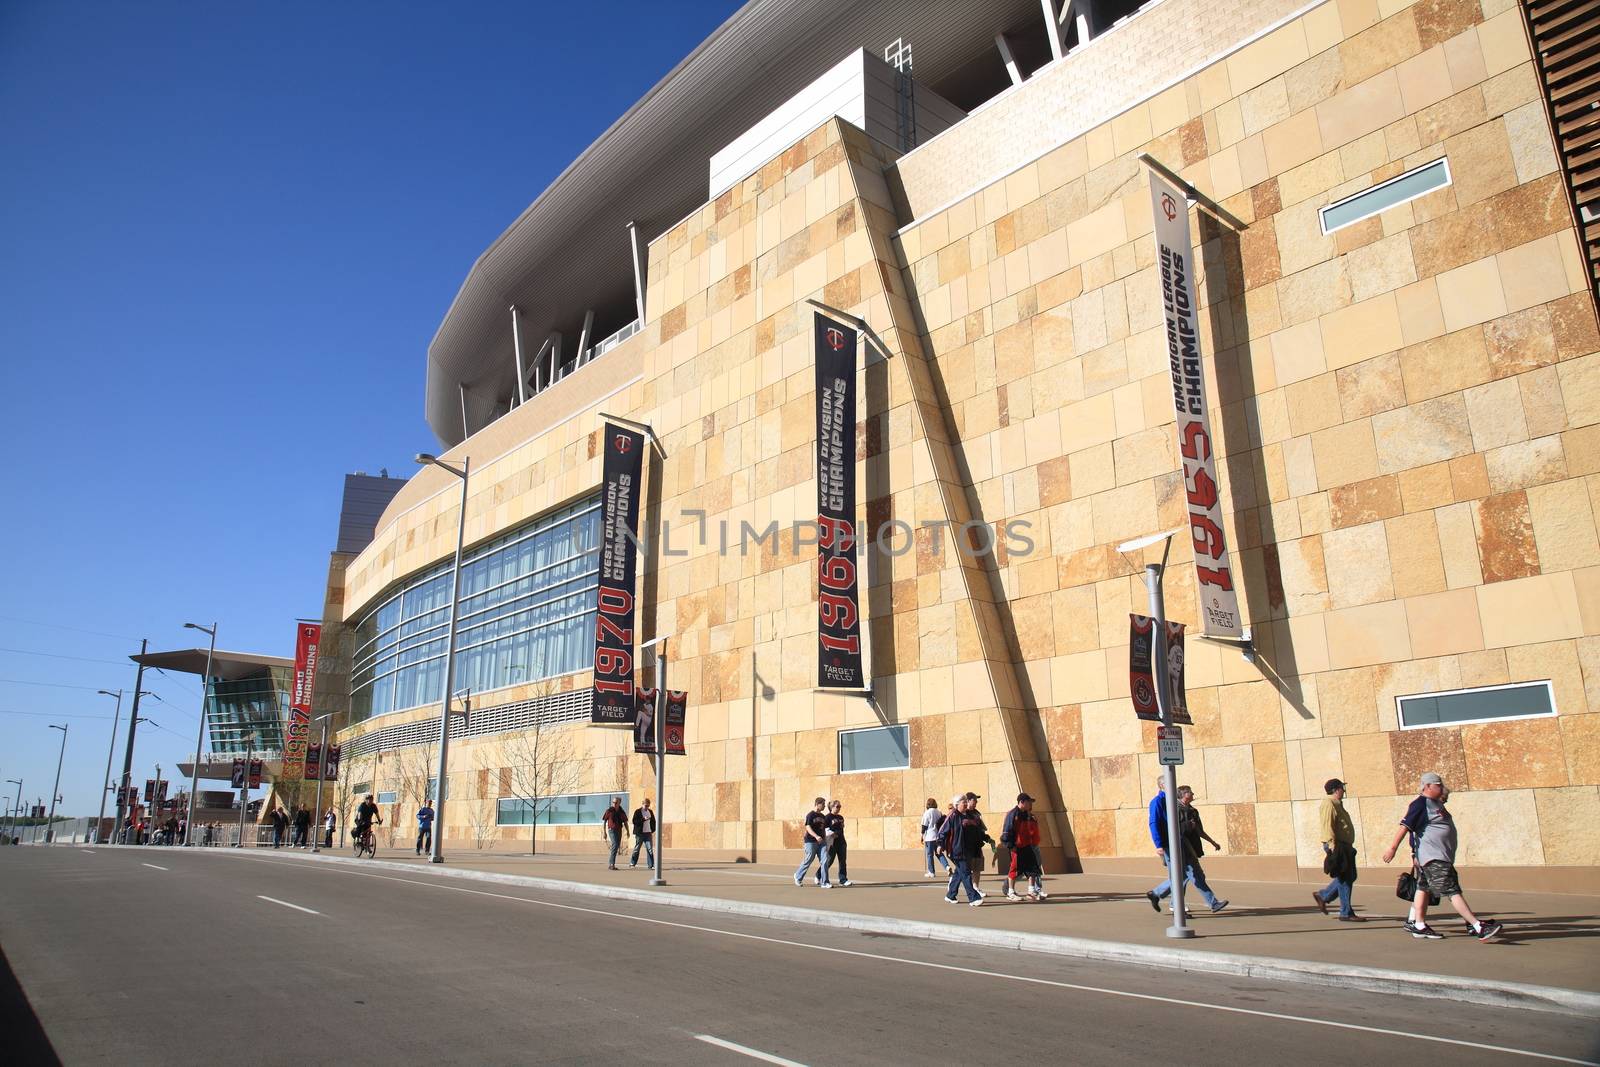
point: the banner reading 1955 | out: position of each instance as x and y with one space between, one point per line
619 558
838 604
1219 602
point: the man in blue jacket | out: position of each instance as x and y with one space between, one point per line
1193 873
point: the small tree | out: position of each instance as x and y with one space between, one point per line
413 769
344 797
544 765
482 818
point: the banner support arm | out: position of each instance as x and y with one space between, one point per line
1195 196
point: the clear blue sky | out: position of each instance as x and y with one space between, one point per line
227 234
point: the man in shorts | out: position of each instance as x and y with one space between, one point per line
1433 844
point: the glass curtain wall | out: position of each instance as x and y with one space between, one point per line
527 612
239 706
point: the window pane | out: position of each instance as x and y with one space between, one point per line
884 748
1511 702
1364 204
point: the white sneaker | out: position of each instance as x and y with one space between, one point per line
930 874
847 882
824 885
1012 896
951 900
980 900
799 880
1041 894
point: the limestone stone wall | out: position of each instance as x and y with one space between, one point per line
1406 417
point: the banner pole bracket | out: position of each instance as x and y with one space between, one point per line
643 427
1193 195
1246 644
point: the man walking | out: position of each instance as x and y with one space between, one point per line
1433 846
963 838
1020 835
1339 853
424 827
615 820
302 827
1191 831
814 841
644 835
329 821
280 823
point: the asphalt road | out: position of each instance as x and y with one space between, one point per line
138 956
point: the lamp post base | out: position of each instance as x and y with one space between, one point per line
656 881
1180 932
436 859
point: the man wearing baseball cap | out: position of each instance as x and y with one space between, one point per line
1020 835
1338 853
1433 848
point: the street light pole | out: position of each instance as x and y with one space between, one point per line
437 850
1153 573
322 765
133 726
116 717
205 690
244 790
55 790
15 809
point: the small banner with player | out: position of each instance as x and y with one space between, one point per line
255 774
1141 670
238 772
297 730
1219 602
676 716
838 603
330 770
314 762
614 695
149 790
644 722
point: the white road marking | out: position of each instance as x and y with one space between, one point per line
286 904
151 865
1156 998
87 851
755 1054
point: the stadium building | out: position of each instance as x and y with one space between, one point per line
1393 215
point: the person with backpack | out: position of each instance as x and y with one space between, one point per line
815 843
1433 845
1020 835
963 838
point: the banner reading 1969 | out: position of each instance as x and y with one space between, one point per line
838 606
297 731
1219 602
619 557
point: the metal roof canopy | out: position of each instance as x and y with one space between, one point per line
569 252
228 666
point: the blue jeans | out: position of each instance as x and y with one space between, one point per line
1192 872
614 839
962 876
1342 890
815 851
929 850
648 843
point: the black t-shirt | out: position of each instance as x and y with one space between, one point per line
366 812
836 824
817 823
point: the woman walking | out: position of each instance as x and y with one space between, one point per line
932 819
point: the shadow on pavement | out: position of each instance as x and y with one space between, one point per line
25 1038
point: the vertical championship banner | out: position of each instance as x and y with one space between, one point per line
314 762
1218 600
614 697
1141 670
297 731
238 772
255 774
838 603
677 715
330 770
644 723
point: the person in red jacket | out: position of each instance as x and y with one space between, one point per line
1021 835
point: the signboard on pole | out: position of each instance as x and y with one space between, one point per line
1175 690
255 774
330 772
838 593
238 772
677 715
1141 670
614 697
1169 746
644 722
297 731
149 790
1218 600
314 761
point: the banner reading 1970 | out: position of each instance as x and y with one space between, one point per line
1219 602
838 606
297 731
619 557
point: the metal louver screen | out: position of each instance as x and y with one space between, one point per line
1566 46
572 706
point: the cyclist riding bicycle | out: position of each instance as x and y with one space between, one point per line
365 814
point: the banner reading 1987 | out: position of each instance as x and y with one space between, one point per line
619 558
838 606
297 730
1219 602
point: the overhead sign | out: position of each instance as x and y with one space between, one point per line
838 599
1218 599
297 731
614 699
1169 746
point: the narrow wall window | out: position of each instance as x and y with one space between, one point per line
1369 202
388 796
879 748
1525 700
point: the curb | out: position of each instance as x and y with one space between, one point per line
1338 976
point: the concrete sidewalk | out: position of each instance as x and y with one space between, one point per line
1547 940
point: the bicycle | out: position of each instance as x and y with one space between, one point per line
365 842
